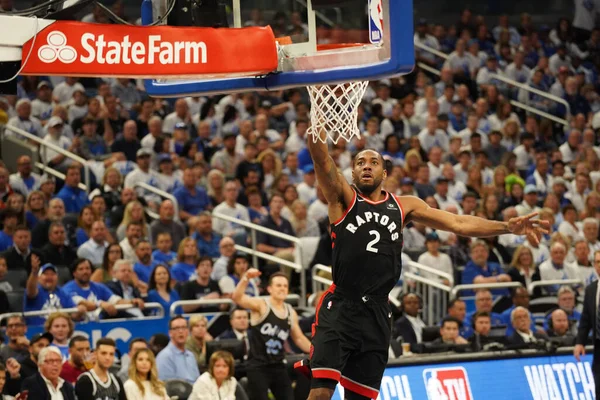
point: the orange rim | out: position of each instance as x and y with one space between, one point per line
335 46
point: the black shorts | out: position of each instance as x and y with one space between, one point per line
351 338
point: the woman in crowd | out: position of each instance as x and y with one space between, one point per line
498 186
303 226
196 341
591 206
256 210
475 181
510 135
412 161
504 113
218 382
35 209
187 260
522 268
134 212
514 186
280 183
111 254
237 266
490 208
215 185
271 166
110 189
84 225
160 288
61 327
143 383
392 149
16 202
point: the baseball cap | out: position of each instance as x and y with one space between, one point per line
78 87
55 121
164 158
432 237
559 181
46 179
442 179
266 104
44 84
46 267
181 125
228 134
307 169
143 153
422 22
530 189
39 336
406 181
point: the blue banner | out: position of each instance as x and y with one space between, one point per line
532 378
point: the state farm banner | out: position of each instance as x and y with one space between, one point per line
77 49
550 377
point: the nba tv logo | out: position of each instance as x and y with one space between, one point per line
447 384
375 21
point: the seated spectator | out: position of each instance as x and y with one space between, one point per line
192 199
236 268
410 326
557 267
55 251
226 159
522 268
18 344
559 329
99 382
218 381
134 212
160 288
590 233
79 356
433 258
203 287
135 345
479 270
226 250
196 342
239 320
24 120
482 326
449 332
93 146
56 213
122 285
145 265
19 256
484 303
166 224
520 298
73 197
530 201
24 180
10 221
128 144
566 302
539 251
142 174
521 323
256 209
48 377
163 253
585 266
206 238
175 361
46 294
143 380
5 285
301 223
9 372
84 225
457 309
61 327
97 298
187 257
104 273
133 234
95 247
231 208
568 226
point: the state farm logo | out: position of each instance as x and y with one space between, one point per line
447 384
57 49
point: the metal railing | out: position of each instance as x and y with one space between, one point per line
147 306
217 302
431 50
296 265
160 193
475 286
432 285
45 145
56 174
319 283
541 113
555 282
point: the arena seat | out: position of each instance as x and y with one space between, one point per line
240 393
15 299
178 388
16 278
542 305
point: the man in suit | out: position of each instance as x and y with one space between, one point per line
589 322
18 257
55 252
523 334
238 319
47 383
410 326
122 286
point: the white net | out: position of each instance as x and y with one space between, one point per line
334 110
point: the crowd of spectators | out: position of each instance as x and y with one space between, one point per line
455 140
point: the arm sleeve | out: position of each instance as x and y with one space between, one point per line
84 388
468 275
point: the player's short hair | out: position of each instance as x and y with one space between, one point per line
277 275
378 153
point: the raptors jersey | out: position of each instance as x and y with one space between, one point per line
367 246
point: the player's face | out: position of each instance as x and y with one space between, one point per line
368 172
279 288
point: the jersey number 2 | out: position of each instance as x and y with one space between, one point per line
373 242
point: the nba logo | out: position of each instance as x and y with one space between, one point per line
375 21
447 384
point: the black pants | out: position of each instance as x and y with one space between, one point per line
274 377
596 367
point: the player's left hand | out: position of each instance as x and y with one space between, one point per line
526 225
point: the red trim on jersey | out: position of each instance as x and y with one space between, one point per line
387 195
356 387
401 209
339 221
326 373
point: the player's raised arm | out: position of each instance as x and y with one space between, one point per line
335 188
467 225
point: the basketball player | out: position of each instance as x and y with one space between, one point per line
352 328
272 321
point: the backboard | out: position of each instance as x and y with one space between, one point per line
333 42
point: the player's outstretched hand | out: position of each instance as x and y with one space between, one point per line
526 225
253 273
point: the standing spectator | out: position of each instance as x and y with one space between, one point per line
99 382
145 264
187 257
410 326
79 354
434 258
24 120
160 288
94 248
166 223
129 143
61 327
71 194
192 199
143 383
203 287
47 383
479 270
557 267
206 239
521 322
24 180
218 382
432 136
196 342
175 361
231 208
